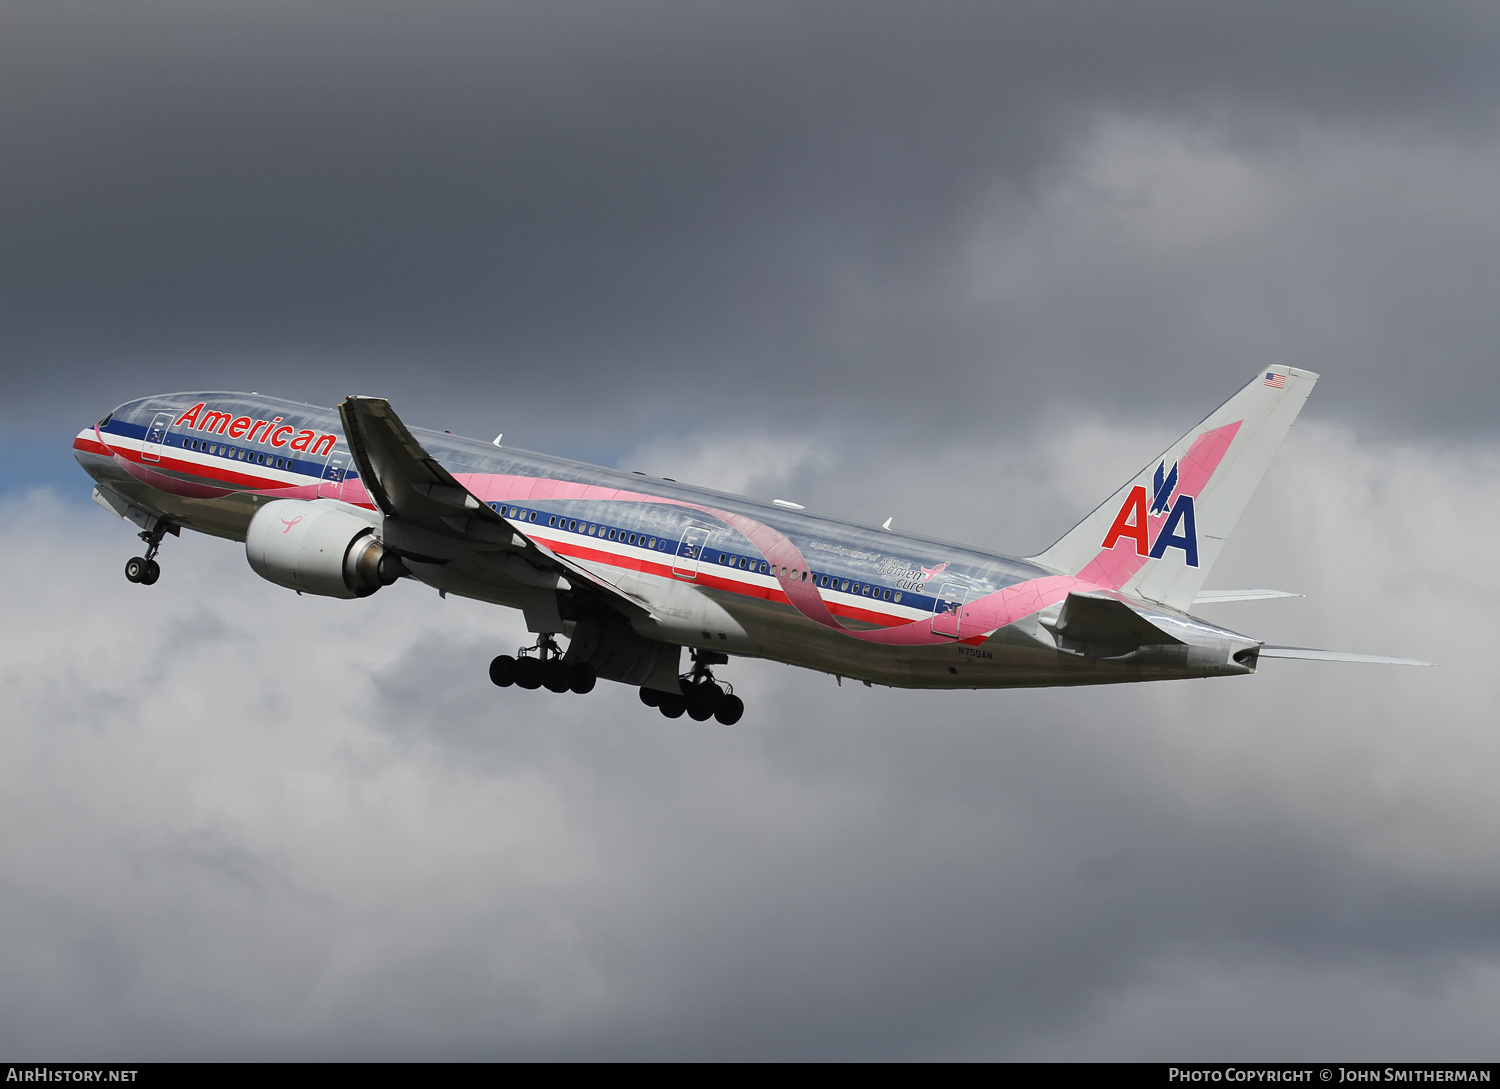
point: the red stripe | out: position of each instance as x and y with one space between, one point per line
707 576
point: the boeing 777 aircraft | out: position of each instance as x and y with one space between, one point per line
631 570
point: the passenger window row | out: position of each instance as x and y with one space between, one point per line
863 589
236 453
832 582
584 526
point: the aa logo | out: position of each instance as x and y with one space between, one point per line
1152 526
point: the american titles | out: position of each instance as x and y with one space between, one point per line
246 430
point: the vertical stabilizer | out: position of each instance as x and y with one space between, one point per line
1160 533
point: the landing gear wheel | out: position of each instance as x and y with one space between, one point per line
702 697
672 706
528 673
151 574
135 569
556 676
503 671
729 711
584 678
651 697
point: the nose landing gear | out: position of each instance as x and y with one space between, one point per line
144 569
546 670
702 697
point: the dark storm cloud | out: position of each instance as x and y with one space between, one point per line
602 214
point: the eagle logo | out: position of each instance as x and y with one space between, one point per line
1161 486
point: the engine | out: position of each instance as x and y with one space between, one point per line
319 548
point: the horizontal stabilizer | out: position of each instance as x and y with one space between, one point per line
1107 622
1311 655
1210 597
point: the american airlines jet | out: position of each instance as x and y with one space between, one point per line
631 570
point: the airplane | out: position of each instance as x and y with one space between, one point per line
632 570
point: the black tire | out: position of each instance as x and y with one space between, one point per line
702 698
135 568
503 671
584 678
651 697
153 572
730 710
556 676
528 673
672 706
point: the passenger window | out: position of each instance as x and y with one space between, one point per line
763 567
653 543
898 595
552 521
632 538
845 587
611 535
865 590
531 517
742 563
887 595
593 530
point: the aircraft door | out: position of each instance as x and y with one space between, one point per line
690 551
331 486
946 609
156 434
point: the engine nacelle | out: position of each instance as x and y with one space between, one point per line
318 547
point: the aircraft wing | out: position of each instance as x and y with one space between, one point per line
409 484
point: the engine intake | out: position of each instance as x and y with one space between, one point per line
317 547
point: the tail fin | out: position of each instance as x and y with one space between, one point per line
1159 534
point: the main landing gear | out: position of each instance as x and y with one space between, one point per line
547 670
702 697
144 569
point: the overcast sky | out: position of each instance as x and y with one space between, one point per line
969 265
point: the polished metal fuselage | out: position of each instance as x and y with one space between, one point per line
672 547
